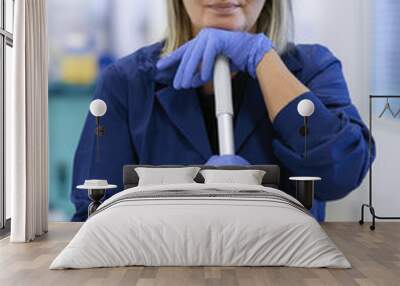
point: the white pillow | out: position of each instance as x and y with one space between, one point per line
164 176
248 177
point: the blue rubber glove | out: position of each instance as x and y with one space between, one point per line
225 160
197 56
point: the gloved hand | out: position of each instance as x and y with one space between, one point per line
224 160
197 56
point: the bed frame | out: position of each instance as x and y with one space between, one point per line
270 179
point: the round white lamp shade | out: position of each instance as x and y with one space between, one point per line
98 107
305 107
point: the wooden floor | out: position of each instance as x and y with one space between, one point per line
375 257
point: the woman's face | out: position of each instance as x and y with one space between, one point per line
238 15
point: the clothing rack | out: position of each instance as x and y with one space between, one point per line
370 203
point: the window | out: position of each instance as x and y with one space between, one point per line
6 44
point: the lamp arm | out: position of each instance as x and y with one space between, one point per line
305 136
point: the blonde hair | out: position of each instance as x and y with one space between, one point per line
275 21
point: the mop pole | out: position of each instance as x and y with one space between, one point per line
224 106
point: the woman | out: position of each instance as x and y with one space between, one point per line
160 101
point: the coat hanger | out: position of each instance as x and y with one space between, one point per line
397 113
387 107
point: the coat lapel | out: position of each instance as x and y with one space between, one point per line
183 109
251 111
253 107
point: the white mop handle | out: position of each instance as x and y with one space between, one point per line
224 106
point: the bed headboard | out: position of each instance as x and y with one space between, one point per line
270 179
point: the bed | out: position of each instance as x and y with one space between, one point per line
201 224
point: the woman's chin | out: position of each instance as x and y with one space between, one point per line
226 25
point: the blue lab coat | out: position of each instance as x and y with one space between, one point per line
149 122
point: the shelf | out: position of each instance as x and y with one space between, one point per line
62 88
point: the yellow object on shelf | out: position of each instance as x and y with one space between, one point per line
79 69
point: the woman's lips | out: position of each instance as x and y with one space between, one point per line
223 8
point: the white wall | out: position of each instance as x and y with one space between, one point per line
342 26
145 23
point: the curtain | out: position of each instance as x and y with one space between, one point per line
386 53
26 123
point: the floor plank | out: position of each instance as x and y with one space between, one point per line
374 255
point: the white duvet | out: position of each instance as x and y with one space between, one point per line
188 231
